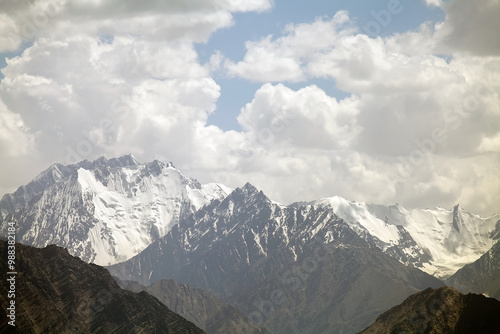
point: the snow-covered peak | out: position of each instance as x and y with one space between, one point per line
358 216
449 238
452 237
141 203
124 161
249 189
107 210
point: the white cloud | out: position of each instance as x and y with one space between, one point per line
436 3
419 115
145 94
160 20
334 49
14 137
9 41
246 6
282 59
417 126
307 118
263 61
108 78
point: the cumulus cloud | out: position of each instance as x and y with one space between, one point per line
194 20
281 59
417 117
14 139
126 94
418 123
107 78
304 145
8 41
307 118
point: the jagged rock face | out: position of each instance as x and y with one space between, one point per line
481 276
197 305
443 310
297 269
58 293
104 211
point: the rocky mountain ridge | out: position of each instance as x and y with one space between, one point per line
58 293
442 310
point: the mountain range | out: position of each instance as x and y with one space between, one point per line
107 211
326 266
292 270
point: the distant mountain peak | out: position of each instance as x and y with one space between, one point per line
111 208
248 194
248 188
53 172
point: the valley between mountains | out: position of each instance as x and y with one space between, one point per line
235 261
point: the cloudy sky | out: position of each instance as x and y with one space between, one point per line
378 101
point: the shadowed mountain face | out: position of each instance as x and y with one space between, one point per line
481 276
290 269
202 308
443 310
58 293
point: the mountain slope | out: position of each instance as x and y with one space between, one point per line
443 310
58 293
482 276
342 294
196 305
292 269
104 211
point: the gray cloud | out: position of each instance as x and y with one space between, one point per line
472 26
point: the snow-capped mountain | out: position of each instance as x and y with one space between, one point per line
438 241
105 211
